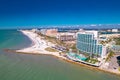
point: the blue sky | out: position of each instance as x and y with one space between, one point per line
58 12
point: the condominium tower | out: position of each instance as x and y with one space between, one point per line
88 42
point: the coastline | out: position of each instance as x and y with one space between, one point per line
38 45
30 38
70 61
36 49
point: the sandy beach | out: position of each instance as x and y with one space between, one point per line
38 45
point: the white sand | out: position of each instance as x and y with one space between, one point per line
38 46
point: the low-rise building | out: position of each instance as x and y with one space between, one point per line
114 30
108 30
35 30
66 36
49 32
43 31
81 30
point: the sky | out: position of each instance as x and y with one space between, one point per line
14 13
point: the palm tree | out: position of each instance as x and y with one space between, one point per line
110 54
103 42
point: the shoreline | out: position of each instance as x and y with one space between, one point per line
70 61
32 42
37 49
38 45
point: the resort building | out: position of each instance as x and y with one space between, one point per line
114 30
66 36
43 31
88 42
109 30
81 30
110 35
49 32
35 30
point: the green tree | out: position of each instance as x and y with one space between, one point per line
117 41
110 54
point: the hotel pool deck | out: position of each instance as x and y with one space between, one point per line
79 58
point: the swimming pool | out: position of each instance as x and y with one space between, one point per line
77 56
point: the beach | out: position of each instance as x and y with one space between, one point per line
38 45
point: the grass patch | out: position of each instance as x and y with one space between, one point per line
119 68
117 41
92 60
50 49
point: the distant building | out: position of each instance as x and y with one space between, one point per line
109 35
66 36
35 30
81 30
49 32
43 31
52 32
88 42
73 31
108 30
114 30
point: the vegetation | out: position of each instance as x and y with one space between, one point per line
103 42
106 41
73 47
118 61
50 49
59 42
117 41
91 60
52 39
110 54
119 68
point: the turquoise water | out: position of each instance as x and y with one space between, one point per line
76 56
39 67
13 39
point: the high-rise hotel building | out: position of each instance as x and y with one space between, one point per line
88 42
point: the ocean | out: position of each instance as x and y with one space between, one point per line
15 66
